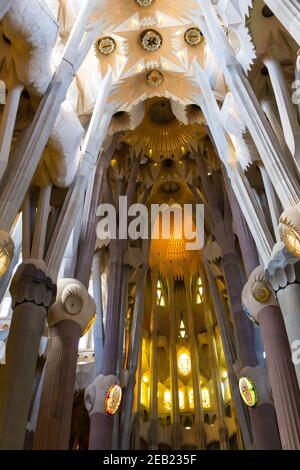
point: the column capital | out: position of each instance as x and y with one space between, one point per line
257 294
31 284
282 268
73 302
97 395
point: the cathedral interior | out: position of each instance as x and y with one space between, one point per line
138 342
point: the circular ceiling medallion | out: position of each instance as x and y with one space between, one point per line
113 400
193 36
248 392
106 45
151 40
154 78
144 3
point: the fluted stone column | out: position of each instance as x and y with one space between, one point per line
32 293
101 426
135 351
68 319
261 304
153 432
98 329
194 362
176 437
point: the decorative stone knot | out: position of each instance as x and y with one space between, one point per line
97 398
289 229
73 302
257 294
31 284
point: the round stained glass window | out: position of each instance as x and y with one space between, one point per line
247 391
113 400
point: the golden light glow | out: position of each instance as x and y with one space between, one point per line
191 399
167 400
146 379
184 361
224 374
181 399
199 298
6 252
160 296
205 397
168 250
89 326
164 138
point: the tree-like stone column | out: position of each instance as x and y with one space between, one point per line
260 303
68 319
32 293
101 428
27 154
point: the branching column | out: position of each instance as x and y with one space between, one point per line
27 154
101 425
